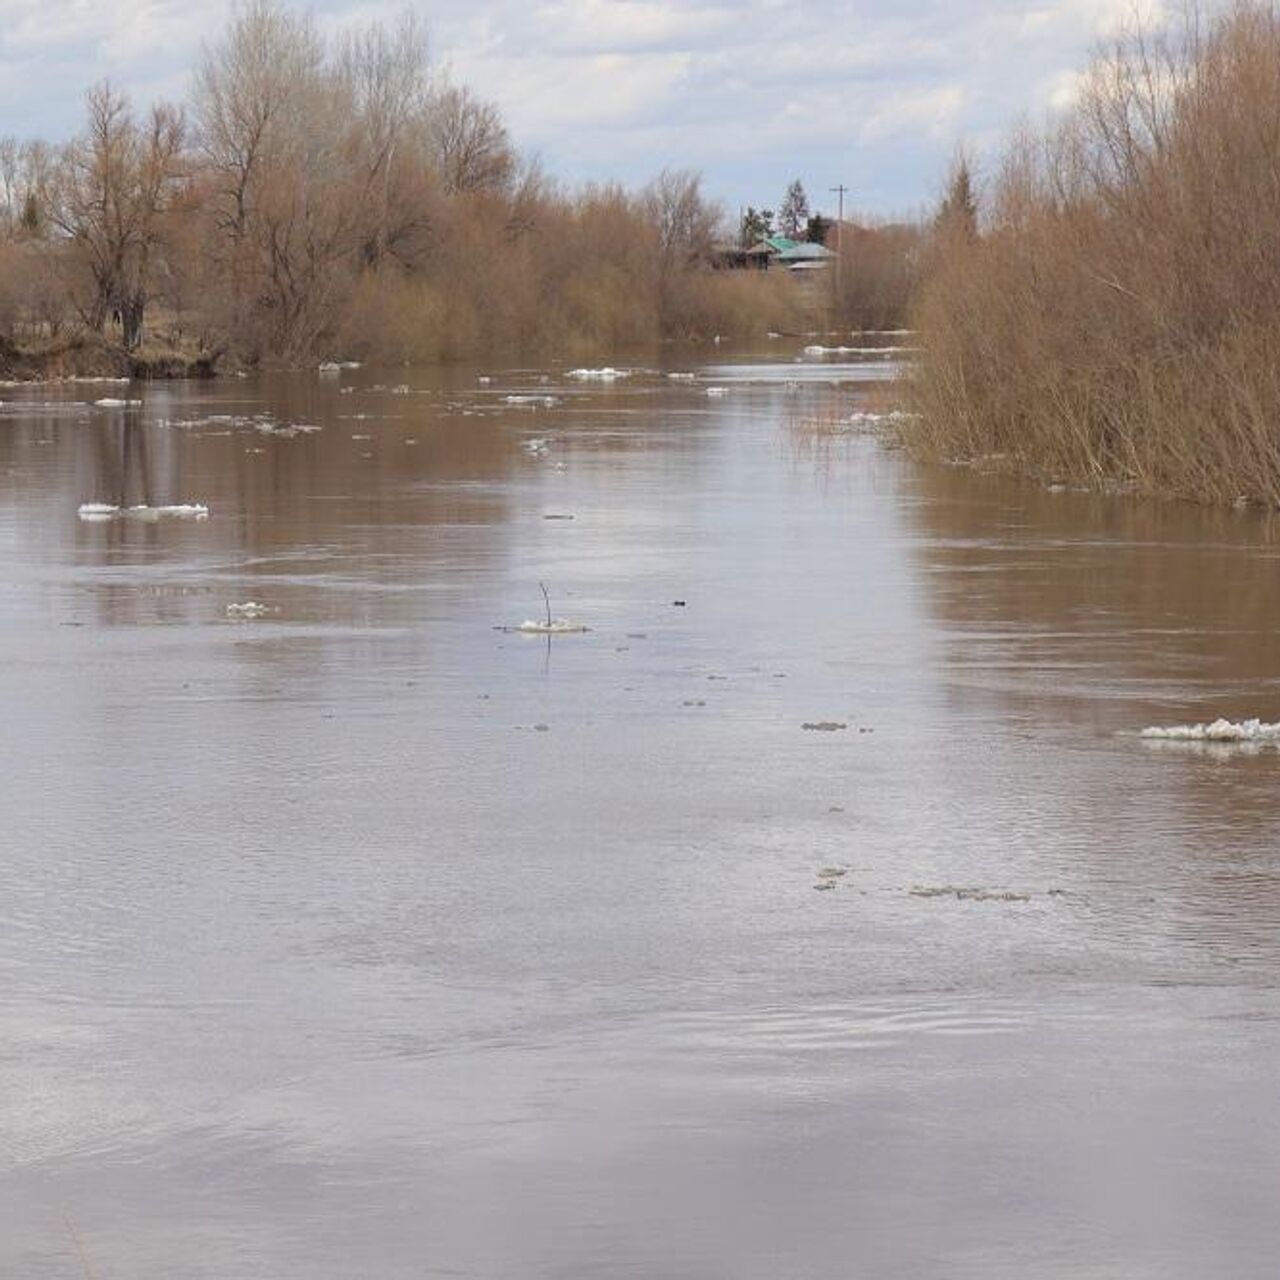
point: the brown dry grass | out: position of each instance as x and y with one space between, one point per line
1118 321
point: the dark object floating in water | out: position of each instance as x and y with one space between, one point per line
824 726
678 604
967 894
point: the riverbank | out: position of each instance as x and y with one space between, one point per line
90 356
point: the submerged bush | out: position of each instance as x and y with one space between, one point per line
1117 318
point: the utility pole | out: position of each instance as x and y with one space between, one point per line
839 192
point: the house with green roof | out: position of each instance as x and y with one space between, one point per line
792 255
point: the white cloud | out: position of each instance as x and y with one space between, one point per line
929 112
752 91
615 26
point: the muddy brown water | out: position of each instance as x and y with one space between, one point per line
319 958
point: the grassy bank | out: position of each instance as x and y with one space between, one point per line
88 355
1116 321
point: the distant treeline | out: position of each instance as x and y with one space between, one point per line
1113 318
343 197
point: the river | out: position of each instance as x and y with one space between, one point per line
369 937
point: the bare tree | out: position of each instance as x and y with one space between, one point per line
470 145
276 129
244 88
684 224
683 218
385 72
108 195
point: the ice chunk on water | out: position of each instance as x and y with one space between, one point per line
547 402
717 393
1220 730
607 374
98 511
285 430
110 402
249 609
681 377
556 627
857 351
867 421
178 511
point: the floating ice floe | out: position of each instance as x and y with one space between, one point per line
681 377
249 609
536 447
717 393
607 374
1220 730
109 402
337 366
856 351
484 379
546 402
871 421
285 430
176 511
556 627
96 511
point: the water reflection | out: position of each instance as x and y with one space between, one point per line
1088 618
360 938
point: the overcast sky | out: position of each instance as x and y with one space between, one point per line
873 94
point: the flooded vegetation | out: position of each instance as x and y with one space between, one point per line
817 906
1110 319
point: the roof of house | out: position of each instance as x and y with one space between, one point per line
780 243
805 253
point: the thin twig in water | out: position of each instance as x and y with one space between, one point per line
547 599
78 1245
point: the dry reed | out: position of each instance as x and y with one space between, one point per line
1117 321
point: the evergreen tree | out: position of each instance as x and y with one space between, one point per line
756 225
795 210
958 213
30 220
816 229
